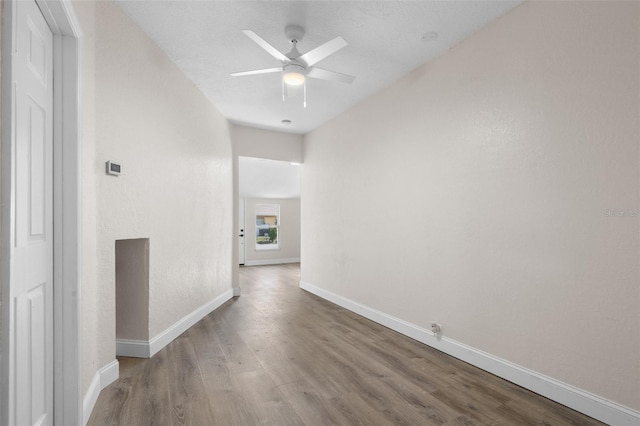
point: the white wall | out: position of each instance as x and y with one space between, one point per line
288 233
474 192
176 185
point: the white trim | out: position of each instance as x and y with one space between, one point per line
90 398
267 247
133 348
242 226
109 373
271 261
592 405
147 349
236 291
7 204
67 213
67 227
101 379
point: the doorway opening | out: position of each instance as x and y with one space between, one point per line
269 211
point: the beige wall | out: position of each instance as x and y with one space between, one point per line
259 143
474 192
289 231
176 185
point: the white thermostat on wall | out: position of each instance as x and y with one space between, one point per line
113 168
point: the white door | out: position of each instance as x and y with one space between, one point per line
241 234
31 284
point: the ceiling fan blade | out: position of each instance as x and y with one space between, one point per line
323 74
322 51
254 72
266 46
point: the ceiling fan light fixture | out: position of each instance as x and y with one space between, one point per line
293 75
294 78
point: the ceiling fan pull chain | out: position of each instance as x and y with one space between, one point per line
304 94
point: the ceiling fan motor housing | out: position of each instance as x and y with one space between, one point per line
293 67
294 33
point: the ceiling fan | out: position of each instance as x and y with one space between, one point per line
296 67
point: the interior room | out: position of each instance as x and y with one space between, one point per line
457 202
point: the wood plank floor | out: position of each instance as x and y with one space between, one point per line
278 355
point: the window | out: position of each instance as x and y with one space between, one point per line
267 226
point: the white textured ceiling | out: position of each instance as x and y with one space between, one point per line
387 39
261 178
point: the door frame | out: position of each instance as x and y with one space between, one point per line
243 227
67 203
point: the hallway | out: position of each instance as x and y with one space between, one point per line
281 356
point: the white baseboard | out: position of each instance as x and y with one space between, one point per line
109 373
271 261
103 378
133 348
90 398
585 402
147 349
236 291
